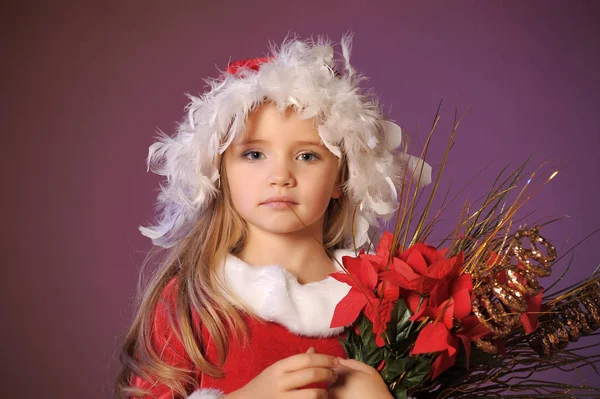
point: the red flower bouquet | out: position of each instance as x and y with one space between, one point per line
462 321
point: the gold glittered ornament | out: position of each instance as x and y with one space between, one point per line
501 290
572 316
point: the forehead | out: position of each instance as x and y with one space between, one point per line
266 123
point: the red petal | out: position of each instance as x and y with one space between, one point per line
448 316
463 282
347 310
439 293
441 254
493 258
379 315
344 278
440 269
441 363
385 245
426 285
367 274
529 320
428 311
412 302
452 344
379 341
352 264
433 337
417 262
398 279
391 291
448 269
401 267
473 328
502 277
361 270
376 261
385 313
428 252
462 304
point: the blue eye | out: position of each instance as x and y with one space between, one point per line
308 157
253 155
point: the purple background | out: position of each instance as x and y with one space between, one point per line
87 85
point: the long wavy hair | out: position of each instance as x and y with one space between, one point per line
195 263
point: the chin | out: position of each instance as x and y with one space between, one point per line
284 226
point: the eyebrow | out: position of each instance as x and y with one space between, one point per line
301 142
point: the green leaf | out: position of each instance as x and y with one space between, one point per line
397 312
403 325
366 330
417 369
403 315
349 349
393 369
400 392
374 357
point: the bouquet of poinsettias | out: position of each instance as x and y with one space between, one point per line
413 314
467 320
396 292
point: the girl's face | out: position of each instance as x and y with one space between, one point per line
279 172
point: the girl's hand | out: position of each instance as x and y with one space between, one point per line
358 380
284 378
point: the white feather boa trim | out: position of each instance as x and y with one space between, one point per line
275 294
206 393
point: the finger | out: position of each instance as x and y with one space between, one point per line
356 365
307 360
312 393
311 350
304 377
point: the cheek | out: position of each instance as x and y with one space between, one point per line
323 186
238 183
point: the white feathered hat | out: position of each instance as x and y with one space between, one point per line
298 74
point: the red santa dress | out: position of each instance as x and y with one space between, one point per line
293 316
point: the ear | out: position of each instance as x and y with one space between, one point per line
337 190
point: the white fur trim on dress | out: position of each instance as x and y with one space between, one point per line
275 294
302 75
206 393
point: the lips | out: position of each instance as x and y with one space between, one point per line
279 201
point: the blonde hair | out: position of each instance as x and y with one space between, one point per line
194 263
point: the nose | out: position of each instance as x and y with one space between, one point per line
281 173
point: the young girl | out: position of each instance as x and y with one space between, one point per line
282 168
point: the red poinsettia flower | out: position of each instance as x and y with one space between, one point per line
457 306
381 256
453 321
437 337
423 271
250 63
381 261
363 278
